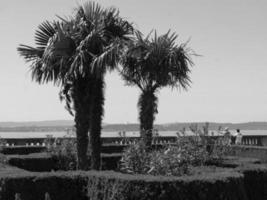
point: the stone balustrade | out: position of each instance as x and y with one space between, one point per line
251 140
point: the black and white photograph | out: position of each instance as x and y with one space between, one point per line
133 100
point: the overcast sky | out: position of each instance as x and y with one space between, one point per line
229 79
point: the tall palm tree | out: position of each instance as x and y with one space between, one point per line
75 53
151 64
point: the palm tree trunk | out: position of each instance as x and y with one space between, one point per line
82 103
96 122
82 128
147 109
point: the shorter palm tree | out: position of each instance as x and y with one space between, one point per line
151 64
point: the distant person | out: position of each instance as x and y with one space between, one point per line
227 136
239 136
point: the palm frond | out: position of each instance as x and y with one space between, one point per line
155 62
109 57
29 53
45 31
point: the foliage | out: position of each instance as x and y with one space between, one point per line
216 184
176 159
135 159
216 147
65 152
151 63
173 160
75 53
105 189
38 162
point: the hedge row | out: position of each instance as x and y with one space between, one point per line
43 162
37 162
255 180
23 150
227 185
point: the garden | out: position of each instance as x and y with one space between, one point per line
75 53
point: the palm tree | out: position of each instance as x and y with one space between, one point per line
152 64
75 53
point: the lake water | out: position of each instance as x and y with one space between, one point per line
108 134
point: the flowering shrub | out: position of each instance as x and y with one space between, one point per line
135 159
171 161
64 152
176 159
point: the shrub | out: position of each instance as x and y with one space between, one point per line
136 159
172 160
64 153
209 185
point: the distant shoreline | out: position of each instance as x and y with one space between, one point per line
56 134
64 125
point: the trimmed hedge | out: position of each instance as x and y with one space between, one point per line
227 185
37 162
255 180
22 150
246 181
234 162
259 152
43 162
32 186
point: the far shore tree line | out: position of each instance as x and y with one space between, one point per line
76 52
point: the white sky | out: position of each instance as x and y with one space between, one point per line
229 80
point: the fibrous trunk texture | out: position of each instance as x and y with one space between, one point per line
147 110
97 111
82 104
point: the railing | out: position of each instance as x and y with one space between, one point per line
12 142
252 140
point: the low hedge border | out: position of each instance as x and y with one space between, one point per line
41 162
44 162
36 162
255 180
227 185
246 180
22 150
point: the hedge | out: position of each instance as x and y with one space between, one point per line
227 185
22 150
37 162
234 161
255 180
43 162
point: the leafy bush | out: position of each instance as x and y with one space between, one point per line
176 159
216 147
64 152
173 160
136 159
